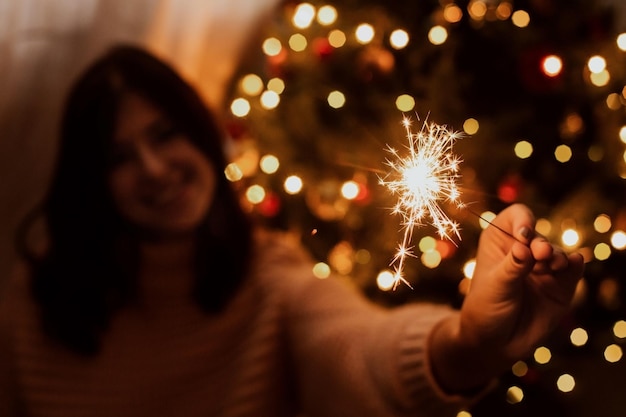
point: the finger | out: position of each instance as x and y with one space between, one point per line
541 249
568 278
559 261
522 223
575 267
518 263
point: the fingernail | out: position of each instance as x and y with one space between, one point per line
524 232
517 260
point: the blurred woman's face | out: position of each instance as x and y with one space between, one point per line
159 181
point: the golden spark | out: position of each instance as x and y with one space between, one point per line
421 180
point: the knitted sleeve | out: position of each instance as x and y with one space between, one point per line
355 358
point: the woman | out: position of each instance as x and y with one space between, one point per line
154 296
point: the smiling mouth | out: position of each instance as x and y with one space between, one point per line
165 198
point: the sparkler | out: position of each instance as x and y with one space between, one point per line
421 180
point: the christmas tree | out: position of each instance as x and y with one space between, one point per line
536 91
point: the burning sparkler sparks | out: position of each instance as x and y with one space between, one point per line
421 180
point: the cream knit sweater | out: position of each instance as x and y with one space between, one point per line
288 344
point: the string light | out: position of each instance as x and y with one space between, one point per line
405 103
437 35
240 107
566 383
321 270
303 15
399 39
364 33
520 18
293 184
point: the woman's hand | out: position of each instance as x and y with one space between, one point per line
520 290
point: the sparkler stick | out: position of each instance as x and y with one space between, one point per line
495 225
423 178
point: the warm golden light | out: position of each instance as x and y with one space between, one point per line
321 270
471 126
477 9
463 414
336 99
563 153
399 39
613 353
622 134
621 41
543 226
326 15
297 42
336 38
514 395
619 329
364 33
618 240
385 280
252 84
431 259
233 172
614 101
452 13
269 164
350 190
542 355
269 99
468 269
427 243
519 368
277 85
565 383
579 337
523 149
570 237
520 18
504 10
596 64
405 103
437 35
240 107
272 47
552 65
595 153
573 124
293 184
255 194
486 217
362 256
600 79
602 251
303 15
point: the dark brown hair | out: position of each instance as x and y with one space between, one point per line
88 269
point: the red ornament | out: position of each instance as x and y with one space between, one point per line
531 71
236 129
509 189
270 206
322 48
364 195
445 248
276 64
